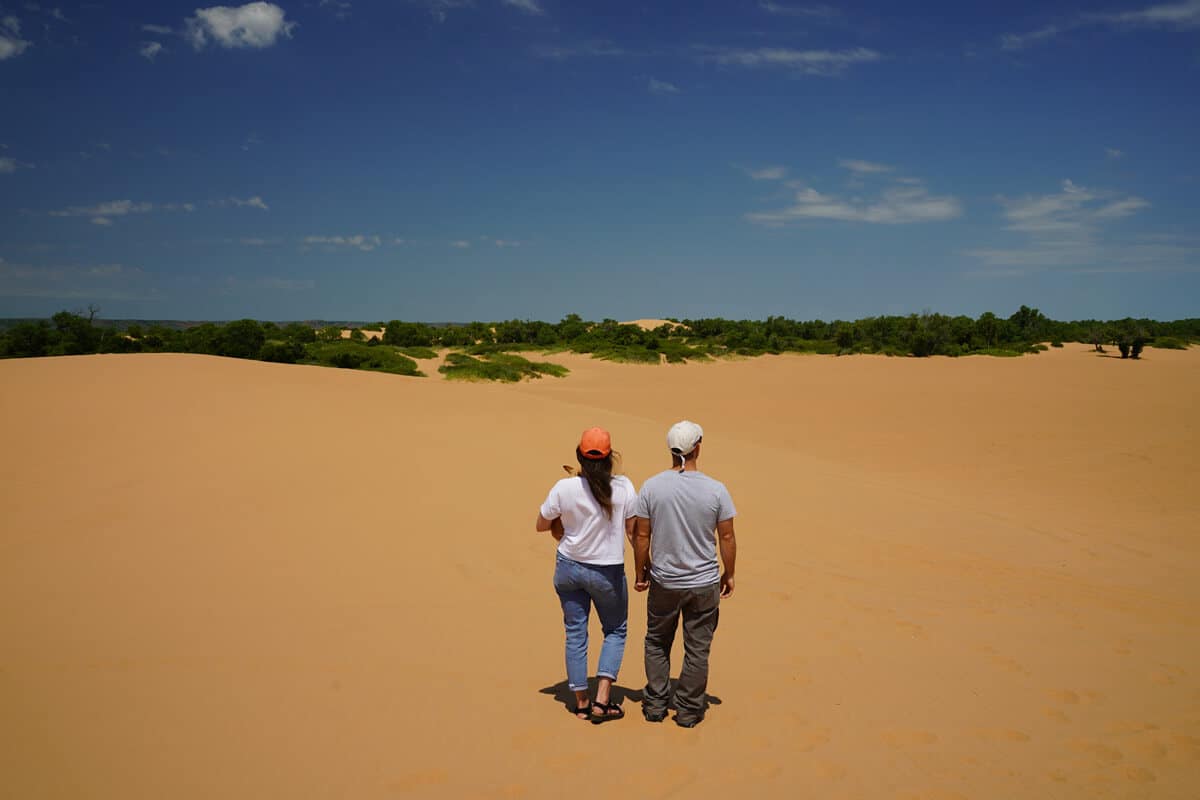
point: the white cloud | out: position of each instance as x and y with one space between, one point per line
462 244
149 50
1113 153
161 30
11 43
103 213
859 167
1180 16
1073 228
895 206
502 243
251 141
806 62
250 202
772 173
812 12
112 208
9 165
528 6
252 25
656 86
356 242
1019 41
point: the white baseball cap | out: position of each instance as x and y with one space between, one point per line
683 437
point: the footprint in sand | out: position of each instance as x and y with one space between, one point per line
1101 752
1140 775
1000 735
810 740
908 738
1167 675
1056 715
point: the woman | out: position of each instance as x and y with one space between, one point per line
595 508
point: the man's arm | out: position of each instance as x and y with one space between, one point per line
641 554
728 544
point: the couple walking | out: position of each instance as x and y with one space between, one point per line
671 525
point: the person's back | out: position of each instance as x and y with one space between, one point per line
681 514
685 508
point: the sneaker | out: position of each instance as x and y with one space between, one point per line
687 723
654 716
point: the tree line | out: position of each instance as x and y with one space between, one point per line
927 334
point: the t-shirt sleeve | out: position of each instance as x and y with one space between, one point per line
631 507
641 506
551 509
725 508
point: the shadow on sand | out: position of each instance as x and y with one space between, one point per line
563 694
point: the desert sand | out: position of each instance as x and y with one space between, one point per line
957 578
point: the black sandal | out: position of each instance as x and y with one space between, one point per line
606 712
577 710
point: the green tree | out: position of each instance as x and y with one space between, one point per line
241 339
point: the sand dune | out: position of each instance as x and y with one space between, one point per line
958 578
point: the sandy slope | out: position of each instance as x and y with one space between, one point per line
959 578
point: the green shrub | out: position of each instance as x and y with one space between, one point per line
418 352
1056 344
505 367
1169 343
282 352
355 355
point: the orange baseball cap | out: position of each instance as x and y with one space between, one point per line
595 443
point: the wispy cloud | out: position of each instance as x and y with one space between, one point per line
356 242
9 165
439 8
1113 153
892 206
11 43
161 30
254 25
825 63
592 49
528 6
102 213
340 8
655 86
461 244
244 202
1179 16
770 173
75 282
860 167
810 11
1073 228
150 50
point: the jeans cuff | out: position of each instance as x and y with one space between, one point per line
575 688
608 675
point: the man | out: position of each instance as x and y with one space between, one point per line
677 512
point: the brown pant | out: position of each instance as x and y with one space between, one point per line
700 608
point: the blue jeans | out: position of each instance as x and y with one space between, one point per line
578 586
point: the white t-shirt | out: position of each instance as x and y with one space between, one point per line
589 537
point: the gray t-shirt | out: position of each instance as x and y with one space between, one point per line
684 509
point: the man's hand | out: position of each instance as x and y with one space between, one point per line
556 529
726 584
642 583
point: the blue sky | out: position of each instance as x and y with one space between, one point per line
487 159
